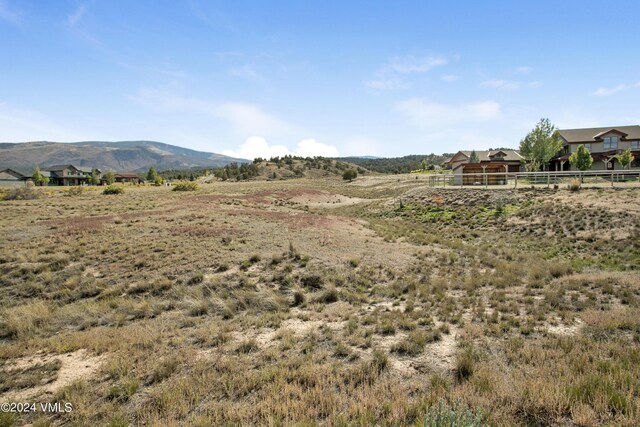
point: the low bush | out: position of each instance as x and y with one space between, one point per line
73 191
113 189
21 193
458 416
185 186
574 185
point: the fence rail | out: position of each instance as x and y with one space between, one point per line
534 178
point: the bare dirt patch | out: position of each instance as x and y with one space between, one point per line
77 365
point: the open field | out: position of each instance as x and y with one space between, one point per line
321 302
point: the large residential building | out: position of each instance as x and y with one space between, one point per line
65 175
604 143
69 174
468 172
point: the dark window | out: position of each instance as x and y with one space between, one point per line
611 142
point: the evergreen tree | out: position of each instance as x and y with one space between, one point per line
473 157
152 175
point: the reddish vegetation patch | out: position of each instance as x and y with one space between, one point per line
203 231
132 215
208 198
80 224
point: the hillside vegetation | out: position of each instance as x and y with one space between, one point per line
286 167
398 165
322 302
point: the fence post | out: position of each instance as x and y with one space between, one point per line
516 181
612 179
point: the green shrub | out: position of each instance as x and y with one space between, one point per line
412 345
456 416
113 189
248 346
350 175
185 186
379 360
329 296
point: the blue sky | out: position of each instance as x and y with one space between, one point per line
323 77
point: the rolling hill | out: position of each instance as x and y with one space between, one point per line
135 156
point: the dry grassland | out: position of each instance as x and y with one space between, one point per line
320 302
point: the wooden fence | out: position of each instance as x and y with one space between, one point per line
534 178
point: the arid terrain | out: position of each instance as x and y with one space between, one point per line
322 302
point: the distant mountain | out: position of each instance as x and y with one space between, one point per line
134 156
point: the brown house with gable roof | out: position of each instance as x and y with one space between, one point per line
604 144
492 161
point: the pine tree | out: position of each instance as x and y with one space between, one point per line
473 157
152 175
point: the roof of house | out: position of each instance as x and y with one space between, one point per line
126 175
488 156
591 134
14 172
59 167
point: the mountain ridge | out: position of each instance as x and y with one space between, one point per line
133 156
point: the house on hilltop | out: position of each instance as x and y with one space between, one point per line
467 172
604 143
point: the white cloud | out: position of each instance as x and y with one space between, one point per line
392 75
310 147
501 84
432 114
74 18
450 77
416 64
524 69
245 118
257 146
247 72
607 91
387 84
